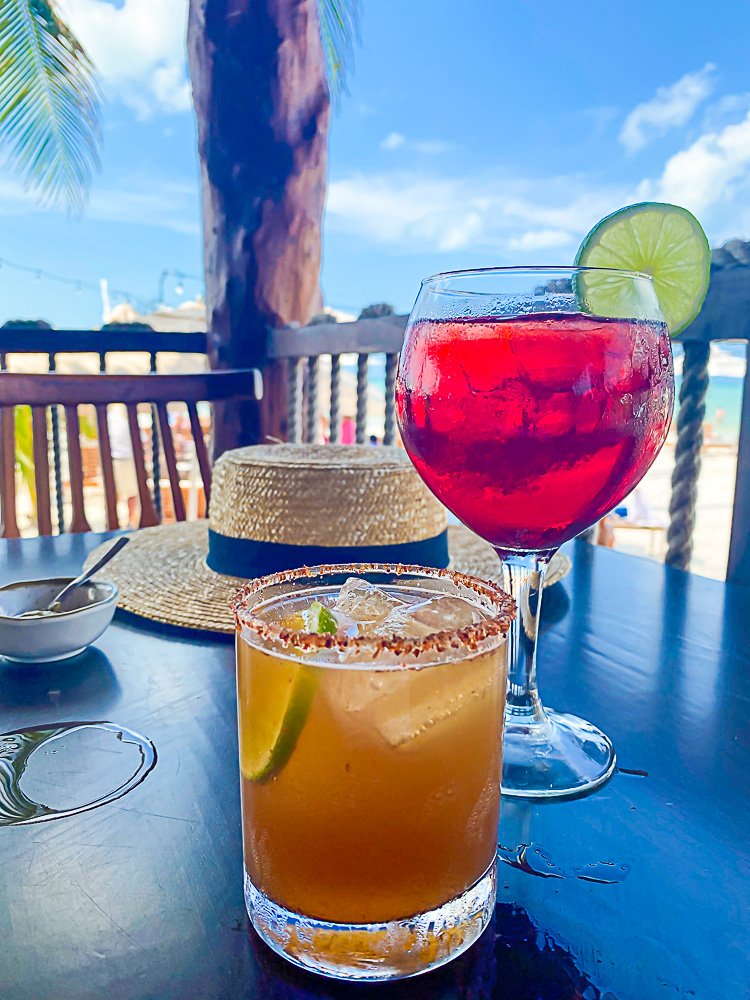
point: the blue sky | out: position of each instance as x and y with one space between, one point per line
497 137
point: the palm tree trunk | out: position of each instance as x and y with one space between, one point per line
263 107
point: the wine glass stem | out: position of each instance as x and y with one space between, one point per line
523 578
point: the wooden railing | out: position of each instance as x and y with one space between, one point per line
300 353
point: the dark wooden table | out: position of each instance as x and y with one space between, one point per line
141 899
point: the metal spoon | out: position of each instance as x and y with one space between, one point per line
54 605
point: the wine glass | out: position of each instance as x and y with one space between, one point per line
530 418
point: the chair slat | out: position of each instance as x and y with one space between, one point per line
156 463
361 397
200 450
56 453
334 434
108 472
57 468
75 464
171 460
391 364
41 469
311 428
148 512
8 525
8 472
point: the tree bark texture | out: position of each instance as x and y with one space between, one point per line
263 108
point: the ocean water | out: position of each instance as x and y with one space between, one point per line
726 369
723 407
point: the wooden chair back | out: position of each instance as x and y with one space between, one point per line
71 391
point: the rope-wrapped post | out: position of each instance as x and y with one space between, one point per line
361 397
155 452
687 456
391 364
294 400
57 457
311 429
334 435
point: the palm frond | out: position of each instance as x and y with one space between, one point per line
49 102
339 29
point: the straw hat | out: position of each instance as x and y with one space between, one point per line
276 507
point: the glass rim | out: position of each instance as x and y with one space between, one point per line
468 636
530 269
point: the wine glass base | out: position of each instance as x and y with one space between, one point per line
560 756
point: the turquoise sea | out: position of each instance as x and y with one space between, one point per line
724 393
724 397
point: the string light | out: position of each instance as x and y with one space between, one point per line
179 285
81 286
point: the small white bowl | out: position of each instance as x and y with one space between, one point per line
88 611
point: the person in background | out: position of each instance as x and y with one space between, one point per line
348 430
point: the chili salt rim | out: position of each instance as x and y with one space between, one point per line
468 636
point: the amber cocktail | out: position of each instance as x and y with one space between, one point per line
370 719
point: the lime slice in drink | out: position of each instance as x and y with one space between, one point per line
278 701
275 709
662 240
318 618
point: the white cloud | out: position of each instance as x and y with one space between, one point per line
140 200
670 107
394 140
138 48
517 218
709 176
145 201
541 239
428 147
462 232
418 213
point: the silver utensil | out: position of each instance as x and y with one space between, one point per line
54 605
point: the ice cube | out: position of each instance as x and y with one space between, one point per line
361 601
433 697
413 621
354 691
401 705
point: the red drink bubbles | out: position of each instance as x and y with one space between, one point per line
532 428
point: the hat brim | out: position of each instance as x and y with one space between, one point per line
163 577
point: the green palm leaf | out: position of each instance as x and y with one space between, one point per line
49 102
339 22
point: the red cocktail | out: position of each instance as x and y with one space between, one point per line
532 428
531 416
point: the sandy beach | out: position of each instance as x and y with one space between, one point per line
713 515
